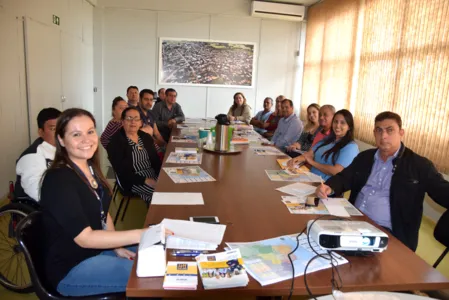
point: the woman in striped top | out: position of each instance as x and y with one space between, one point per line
134 157
118 105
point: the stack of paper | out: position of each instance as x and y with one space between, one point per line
222 270
298 189
181 275
186 150
193 235
177 199
267 150
298 175
184 158
151 259
333 206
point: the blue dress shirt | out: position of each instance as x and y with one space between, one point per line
288 131
374 198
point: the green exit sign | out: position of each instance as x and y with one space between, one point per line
56 20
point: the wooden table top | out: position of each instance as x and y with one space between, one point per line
244 199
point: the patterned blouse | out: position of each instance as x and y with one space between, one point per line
109 131
306 139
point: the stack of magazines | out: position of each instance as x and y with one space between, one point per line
222 270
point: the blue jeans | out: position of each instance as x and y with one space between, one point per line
104 273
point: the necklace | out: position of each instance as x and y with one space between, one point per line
92 181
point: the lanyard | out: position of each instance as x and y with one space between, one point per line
99 193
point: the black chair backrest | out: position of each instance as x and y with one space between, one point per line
29 235
441 232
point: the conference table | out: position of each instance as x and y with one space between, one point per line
245 200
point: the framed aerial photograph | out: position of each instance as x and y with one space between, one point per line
206 63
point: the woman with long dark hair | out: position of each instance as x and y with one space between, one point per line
240 110
334 153
75 198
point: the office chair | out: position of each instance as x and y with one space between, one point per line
29 232
126 195
441 234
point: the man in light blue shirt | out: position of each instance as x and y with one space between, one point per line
262 116
289 127
374 198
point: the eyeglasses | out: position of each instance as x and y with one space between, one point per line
130 119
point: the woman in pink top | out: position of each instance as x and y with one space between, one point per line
327 112
118 106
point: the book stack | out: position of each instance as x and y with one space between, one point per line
222 270
181 275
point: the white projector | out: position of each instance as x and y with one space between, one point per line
347 236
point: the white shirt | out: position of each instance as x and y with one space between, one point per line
32 166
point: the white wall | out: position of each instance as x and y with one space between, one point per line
130 43
74 43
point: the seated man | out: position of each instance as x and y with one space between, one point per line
33 162
132 93
272 123
168 113
388 184
262 116
289 127
160 95
146 97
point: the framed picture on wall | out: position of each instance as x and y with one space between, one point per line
206 62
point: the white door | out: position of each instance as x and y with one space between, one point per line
71 55
87 80
13 110
43 68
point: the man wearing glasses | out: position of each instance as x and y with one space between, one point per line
388 184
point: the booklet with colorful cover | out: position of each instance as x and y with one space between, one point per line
222 270
181 275
188 174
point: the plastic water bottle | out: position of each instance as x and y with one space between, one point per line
209 141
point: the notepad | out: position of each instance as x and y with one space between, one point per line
177 199
335 207
298 189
